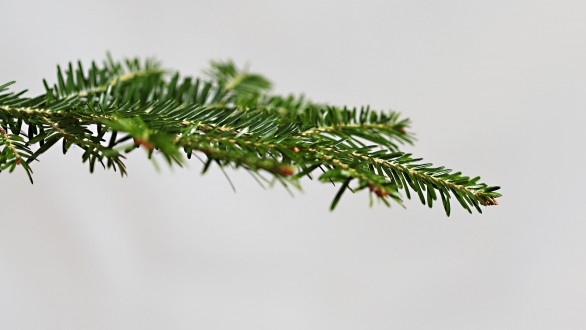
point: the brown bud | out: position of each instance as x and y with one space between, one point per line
144 143
491 201
488 201
379 191
295 149
286 170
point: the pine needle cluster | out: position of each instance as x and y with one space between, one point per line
229 118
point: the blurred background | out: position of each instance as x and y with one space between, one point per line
494 88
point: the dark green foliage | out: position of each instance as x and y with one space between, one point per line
233 120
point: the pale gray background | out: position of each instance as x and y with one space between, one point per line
494 88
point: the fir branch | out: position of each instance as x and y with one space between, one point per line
233 119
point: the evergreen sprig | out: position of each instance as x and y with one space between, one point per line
232 119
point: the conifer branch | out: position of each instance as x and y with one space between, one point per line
230 117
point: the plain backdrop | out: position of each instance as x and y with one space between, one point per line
494 88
